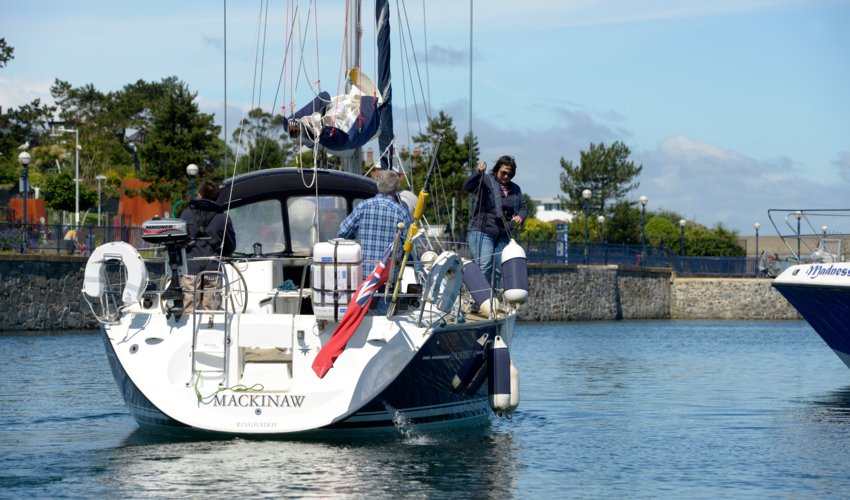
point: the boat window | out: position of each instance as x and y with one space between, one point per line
261 223
307 227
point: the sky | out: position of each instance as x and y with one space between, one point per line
732 107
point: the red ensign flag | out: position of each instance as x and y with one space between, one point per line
353 316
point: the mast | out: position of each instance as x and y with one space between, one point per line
354 163
385 137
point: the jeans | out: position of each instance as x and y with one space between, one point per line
487 253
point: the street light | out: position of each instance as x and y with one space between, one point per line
682 223
100 178
586 194
757 226
192 171
77 148
643 201
824 229
24 158
601 221
798 214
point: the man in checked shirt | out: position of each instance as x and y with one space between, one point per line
373 222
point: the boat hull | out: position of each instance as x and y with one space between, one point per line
420 397
821 294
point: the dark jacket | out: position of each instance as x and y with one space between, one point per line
492 208
205 220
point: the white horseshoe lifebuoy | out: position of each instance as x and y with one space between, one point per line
94 280
444 280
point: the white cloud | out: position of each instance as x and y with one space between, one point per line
710 184
15 92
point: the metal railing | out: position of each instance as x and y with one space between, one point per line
50 239
550 252
63 239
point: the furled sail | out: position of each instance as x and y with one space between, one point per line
339 123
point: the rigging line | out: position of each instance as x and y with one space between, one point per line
407 178
311 12
277 92
224 128
404 94
471 142
342 55
259 61
287 51
416 61
256 54
301 65
316 31
407 52
427 67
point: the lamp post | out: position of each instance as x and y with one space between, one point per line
824 229
77 148
24 158
682 223
586 194
643 201
100 178
192 171
798 214
601 221
757 226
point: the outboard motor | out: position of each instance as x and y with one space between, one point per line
173 234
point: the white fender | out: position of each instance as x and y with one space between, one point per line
443 284
514 403
515 274
95 281
499 376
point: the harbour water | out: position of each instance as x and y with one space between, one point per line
609 409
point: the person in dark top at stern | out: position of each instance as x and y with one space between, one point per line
213 236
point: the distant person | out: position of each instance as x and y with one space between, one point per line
70 241
213 236
374 222
499 208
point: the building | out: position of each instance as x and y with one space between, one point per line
551 210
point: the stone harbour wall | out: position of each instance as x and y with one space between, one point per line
587 293
44 293
728 298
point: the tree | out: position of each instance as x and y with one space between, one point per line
530 204
606 171
263 138
622 225
716 242
452 168
661 232
537 230
28 123
6 53
60 194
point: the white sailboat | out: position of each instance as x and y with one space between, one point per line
275 360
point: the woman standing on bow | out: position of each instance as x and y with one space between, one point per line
499 209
